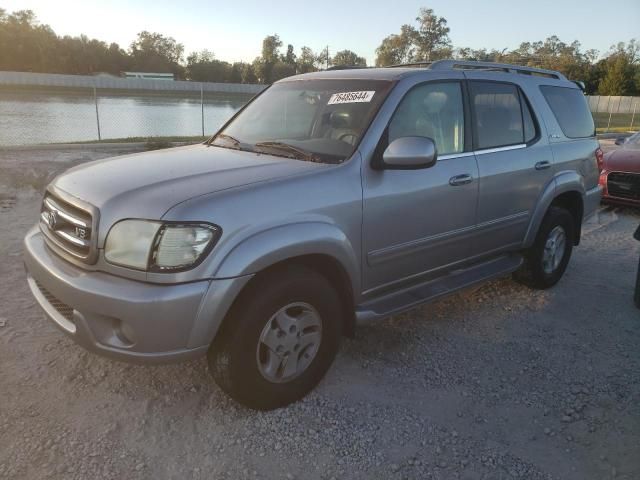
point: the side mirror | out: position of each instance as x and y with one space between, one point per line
620 140
410 153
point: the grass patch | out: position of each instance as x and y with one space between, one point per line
615 129
619 121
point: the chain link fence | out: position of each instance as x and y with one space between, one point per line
29 117
45 109
613 113
49 108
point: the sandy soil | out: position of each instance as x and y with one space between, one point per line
497 382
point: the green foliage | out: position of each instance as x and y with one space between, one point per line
427 42
396 49
348 58
431 38
619 79
28 46
153 52
616 74
306 61
203 67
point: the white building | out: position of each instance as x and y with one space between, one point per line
149 75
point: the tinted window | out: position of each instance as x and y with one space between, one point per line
498 117
433 110
529 124
570 108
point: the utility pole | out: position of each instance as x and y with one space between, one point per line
327 57
95 99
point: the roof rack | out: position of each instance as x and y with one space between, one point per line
413 64
486 66
505 67
345 67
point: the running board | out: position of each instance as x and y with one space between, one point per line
397 302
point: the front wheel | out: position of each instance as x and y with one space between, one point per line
548 257
278 340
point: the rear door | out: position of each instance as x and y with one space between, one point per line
514 159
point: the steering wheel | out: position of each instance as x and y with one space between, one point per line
348 134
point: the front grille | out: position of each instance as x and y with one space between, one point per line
624 185
62 308
66 225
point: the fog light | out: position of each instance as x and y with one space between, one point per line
125 333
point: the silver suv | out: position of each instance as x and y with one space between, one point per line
331 199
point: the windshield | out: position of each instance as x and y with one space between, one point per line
315 120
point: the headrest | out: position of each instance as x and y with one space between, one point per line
340 119
435 101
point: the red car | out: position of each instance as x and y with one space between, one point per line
620 172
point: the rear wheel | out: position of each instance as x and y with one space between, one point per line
279 339
548 257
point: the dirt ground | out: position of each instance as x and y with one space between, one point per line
497 382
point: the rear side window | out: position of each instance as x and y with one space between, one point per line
530 131
498 116
570 108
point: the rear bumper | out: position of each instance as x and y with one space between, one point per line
620 201
592 199
126 319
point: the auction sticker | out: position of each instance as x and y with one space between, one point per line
350 97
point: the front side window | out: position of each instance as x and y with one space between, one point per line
316 120
570 108
433 110
498 117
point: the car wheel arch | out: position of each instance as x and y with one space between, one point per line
567 191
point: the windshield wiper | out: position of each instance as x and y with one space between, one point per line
298 153
236 143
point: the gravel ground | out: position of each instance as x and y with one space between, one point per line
497 382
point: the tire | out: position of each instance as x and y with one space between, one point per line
247 369
539 271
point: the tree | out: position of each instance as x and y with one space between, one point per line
153 52
396 49
203 67
270 49
431 39
281 70
236 72
290 57
306 61
323 60
619 79
348 58
263 65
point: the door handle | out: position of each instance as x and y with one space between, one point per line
458 180
543 165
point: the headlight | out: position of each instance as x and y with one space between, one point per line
157 246
180 246
129 243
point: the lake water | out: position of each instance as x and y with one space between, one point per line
31 118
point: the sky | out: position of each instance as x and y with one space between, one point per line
234 30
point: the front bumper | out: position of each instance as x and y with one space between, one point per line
126 319
609 197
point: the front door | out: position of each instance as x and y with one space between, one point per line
419 221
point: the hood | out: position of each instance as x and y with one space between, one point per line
623 160
146 185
